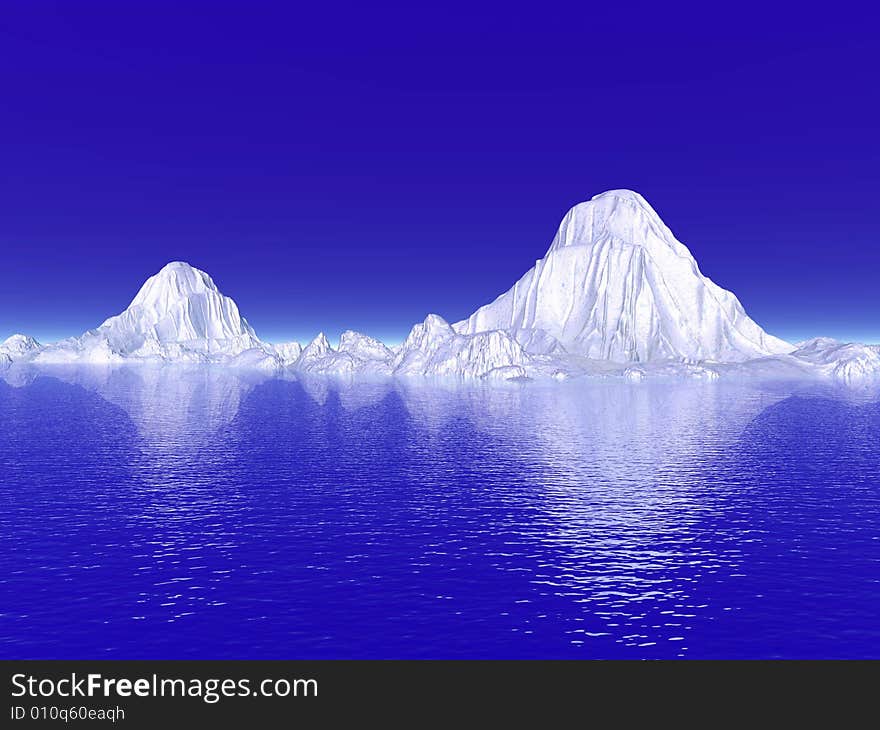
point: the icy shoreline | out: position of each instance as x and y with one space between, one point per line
489 359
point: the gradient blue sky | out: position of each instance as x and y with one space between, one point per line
360 166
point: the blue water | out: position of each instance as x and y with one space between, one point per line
168 513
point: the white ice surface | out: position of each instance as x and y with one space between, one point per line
617 285
287 352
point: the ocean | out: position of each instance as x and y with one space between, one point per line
173 512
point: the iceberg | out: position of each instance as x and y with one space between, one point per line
357 354
18 347
434 348
849 362
178 315
617 285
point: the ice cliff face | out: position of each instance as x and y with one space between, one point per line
617 285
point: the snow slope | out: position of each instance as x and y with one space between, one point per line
617 285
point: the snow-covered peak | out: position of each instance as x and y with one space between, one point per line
356 354
621 216
434 348
318 347
616 285
179 307
19 345
178 315
624 194
433 329
816 344
363 346
175 281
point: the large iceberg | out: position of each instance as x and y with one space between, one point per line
178 315
617 285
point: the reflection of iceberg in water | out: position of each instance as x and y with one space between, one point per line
607 489
616 425
166 402
586 514
619 485
170 481
354 393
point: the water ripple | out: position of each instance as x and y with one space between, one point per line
168 514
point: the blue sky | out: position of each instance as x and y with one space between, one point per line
362 166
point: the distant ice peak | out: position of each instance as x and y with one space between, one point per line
19 344
318 347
